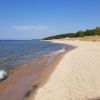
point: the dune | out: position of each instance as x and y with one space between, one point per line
77 75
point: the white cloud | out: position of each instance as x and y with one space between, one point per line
30 28
23 28
41 27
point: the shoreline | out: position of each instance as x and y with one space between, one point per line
76 76
22 83
49 70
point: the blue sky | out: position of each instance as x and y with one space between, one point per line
28 19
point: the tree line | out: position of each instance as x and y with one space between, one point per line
81 33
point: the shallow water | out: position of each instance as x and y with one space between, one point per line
14 52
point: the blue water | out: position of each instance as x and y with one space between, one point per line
14 52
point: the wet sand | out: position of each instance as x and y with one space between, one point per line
77 75
25 79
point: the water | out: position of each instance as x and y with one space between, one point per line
14 52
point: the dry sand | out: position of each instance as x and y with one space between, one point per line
77 75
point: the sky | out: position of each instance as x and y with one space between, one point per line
35 19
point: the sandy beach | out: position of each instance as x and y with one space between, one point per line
24 79
77 75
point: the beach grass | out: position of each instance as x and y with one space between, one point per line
85 38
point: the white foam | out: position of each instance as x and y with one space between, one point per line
59 51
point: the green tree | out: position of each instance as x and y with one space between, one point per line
81 34
97 31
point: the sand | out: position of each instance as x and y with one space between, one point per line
23 80
77 75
